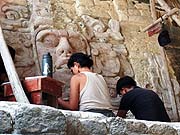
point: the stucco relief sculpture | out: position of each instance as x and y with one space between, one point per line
15 17
61 44
107 50
41 13
102 42
15 21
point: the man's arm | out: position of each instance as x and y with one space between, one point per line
122 113
73 103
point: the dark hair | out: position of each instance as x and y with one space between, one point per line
164 38
81 58
125 81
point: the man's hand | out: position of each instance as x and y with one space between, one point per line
122 113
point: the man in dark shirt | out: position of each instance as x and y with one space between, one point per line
143 103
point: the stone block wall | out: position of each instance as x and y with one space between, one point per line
19 118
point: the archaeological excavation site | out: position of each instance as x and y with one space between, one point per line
42 87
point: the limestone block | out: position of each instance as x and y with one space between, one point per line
86 3
145 13
122 3
100 12
116 125
121 9
140 20
103 4
6 125
40 119
123 15
127 68
143 6
81 10
133 12
63 1
83 115
112 13
36 119
139 127
74 126
162 130
91 127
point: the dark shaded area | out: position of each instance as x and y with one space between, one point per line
2 67
173 50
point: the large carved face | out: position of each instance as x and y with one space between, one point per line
60 43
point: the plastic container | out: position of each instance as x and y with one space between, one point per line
47 66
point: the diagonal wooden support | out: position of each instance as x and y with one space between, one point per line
11 71
171 12
167 8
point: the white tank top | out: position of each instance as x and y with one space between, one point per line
95 94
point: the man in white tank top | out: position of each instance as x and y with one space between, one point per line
88 90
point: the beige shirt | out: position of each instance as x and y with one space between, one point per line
95 94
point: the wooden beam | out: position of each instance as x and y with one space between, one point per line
11 71
165 16
153 9
165 6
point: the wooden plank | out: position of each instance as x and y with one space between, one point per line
45 84
11 71
171 12
167 8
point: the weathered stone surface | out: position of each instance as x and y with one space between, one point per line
39 120
139 127
74 126
93 127
158 129
117 126
35 118
6 125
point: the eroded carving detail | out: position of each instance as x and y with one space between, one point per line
107 50
60 43
24 57
16 17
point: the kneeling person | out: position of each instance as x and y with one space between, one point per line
144 104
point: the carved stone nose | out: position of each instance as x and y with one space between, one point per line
63 47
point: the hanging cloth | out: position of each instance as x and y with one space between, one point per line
164 38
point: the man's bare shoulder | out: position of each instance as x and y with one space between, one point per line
78 76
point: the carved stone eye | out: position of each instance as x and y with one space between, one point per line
62 51
50 40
